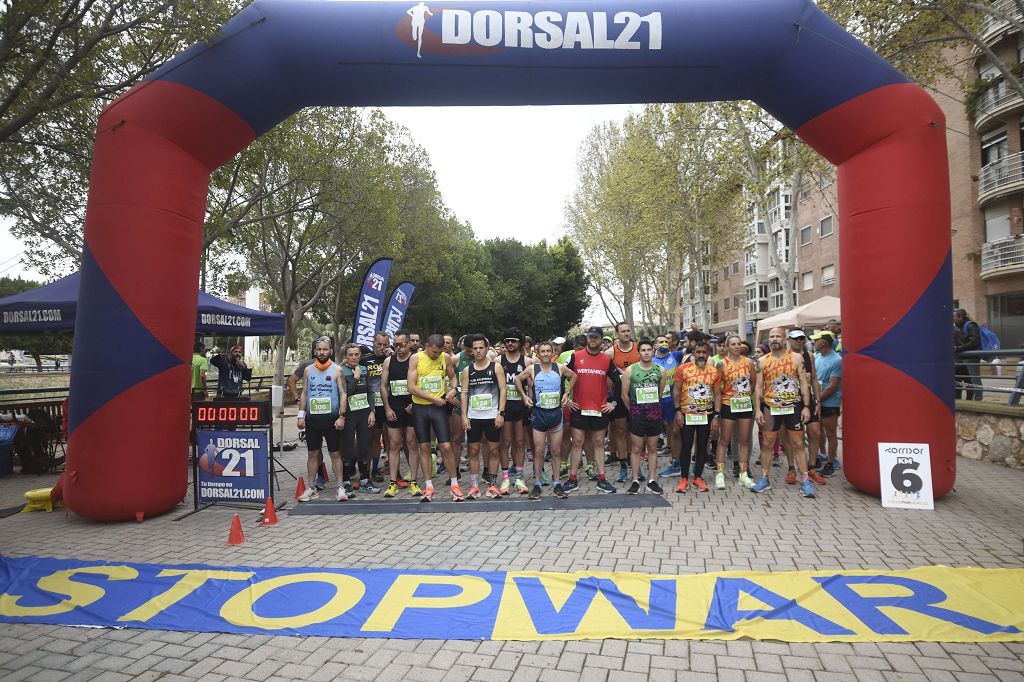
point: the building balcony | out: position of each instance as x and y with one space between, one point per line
995 104
1001 178
1002 257
994 28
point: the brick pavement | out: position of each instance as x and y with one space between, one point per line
980 524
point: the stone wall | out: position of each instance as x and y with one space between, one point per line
997 438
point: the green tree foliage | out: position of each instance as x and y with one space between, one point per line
36 345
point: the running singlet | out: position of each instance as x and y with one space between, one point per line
465 361
644 401
592 372
323 397
668 366
781 383
431 377
512 370
398 387
358 390
623 359
374 365
483 393
695 385
737 384
547 387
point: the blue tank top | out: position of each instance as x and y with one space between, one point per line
323 399
547 387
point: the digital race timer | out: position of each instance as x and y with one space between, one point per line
221 413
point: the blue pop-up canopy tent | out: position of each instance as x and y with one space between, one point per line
52 308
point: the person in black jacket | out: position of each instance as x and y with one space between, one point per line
967 336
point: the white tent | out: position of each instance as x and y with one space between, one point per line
820 311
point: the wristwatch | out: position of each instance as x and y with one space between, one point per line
502 413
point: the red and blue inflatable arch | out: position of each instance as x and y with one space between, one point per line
157 145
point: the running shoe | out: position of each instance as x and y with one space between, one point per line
545 479
504 487
392 489
837 464
521 487
342 496
563 470
655 488
776 460
486 478
791 476
350 490
683 485
745 480
634 488
571 486
822 458
735 469
719 481
353 486
473 493
559 492
319 482
762 485
547 455
428 494
609 458
828 470
816 478
493 492
623 474
603 486
402 483
673 469
368 487
536 491
414 489
309 494
711 464
807 488
591 469
700 485
457 495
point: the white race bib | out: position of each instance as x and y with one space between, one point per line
358 401
481 402
646 395
512 393
549 400
591 413
399 387
432 384
696 419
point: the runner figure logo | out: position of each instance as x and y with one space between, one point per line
419 13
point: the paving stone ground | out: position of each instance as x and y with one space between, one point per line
981 523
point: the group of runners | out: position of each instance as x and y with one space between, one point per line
669 395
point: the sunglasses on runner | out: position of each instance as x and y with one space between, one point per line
401 344
511 340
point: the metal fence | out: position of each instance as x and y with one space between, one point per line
11 396
990 375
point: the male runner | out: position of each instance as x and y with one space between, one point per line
643 385
398 412
579 343
782 393
373 360
482 404
323 395
545 389
829 371
426 378
414 343
734 407
623 354
798 345
694 396
513 434
293 389
359 410
664 358
590 406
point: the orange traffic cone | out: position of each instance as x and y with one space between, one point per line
235 535
269 513
323 472
300 488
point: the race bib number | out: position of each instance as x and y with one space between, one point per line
399 387
484 401
646 395
696 419
591 413
512 393
549 400
359 401
432 384
781 411
738 404
319 405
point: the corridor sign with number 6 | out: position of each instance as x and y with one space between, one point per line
905 470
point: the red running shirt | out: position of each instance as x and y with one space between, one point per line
592 372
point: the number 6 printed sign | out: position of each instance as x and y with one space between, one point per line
905 470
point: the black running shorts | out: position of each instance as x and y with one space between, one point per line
431 417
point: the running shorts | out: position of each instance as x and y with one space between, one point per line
482 428
814 412
668 410
319 431
588 422
547 420
620 411
431 417
403 419
790 422
644 427
516 411
727 413
830 411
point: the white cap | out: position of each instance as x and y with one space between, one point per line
558 340
797 334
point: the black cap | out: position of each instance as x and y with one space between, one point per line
595 331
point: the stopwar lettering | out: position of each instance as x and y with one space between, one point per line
551 30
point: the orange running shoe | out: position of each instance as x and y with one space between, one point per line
493 492
457 495
473 493
791 476
428 494
683 485
816 477
402 483
700 485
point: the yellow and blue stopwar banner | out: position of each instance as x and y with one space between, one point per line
921 604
